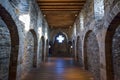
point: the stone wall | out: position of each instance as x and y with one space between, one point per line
5 49
60 49
27 16
115 53
99 25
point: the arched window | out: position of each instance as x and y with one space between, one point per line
60 38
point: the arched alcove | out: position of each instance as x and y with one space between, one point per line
73 49
28 56
35 47
43 47
70 47
47 48
50 48
12 45
91 54
60 46
79 51
112 49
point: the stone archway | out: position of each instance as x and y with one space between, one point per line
91 54
12 33
112 49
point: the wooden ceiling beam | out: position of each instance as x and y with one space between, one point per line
61 4
60 9
61 1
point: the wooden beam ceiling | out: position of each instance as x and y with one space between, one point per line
60 13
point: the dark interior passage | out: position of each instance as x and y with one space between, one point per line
59 69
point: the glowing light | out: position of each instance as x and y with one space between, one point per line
46 36
25 18
71 46
81 22
60 38
40 31
49 46
75 29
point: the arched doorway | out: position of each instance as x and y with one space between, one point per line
60 47
112 49
91 54
9 48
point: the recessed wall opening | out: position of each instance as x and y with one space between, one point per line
28 56
112 49
91 54
9 29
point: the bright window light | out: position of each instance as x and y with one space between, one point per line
46 36
60 38
25 18
40 31
99 9
71 46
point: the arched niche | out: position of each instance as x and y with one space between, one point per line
50 48
91 54
47 48
70 47
42 48
35 47
73 49
79 51
112 48
12 32
28 56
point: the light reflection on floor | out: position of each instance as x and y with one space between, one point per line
59 69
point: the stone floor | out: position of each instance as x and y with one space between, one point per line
59 69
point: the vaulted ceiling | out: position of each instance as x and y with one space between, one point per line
60 13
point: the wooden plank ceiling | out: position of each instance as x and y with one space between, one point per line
60 13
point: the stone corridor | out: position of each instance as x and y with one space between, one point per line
59 39
58 69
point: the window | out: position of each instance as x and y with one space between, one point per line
60 38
